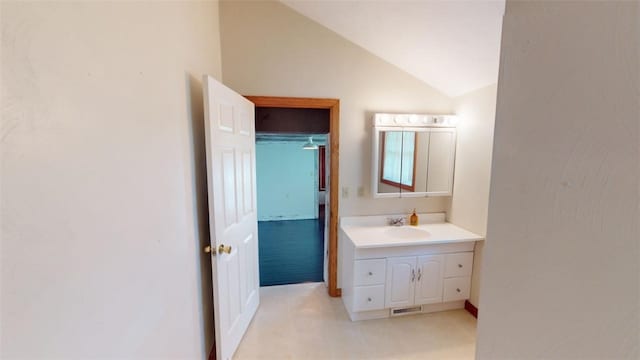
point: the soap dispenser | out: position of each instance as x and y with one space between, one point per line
413 219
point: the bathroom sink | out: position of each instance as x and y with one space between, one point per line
405 232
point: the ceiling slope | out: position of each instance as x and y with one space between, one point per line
453 46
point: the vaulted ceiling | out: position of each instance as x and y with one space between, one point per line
454 46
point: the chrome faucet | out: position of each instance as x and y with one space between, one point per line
399 221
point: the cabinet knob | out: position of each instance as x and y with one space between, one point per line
458 289
459 265
370 273
369 299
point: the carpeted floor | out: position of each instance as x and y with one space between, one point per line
290 251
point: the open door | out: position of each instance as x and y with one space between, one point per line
231 179
327 207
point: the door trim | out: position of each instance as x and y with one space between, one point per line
333 105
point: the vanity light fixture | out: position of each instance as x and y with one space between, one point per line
452 120
415 120
310 145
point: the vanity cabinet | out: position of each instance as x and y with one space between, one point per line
383 272
433 279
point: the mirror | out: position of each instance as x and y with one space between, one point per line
403 161
413 162
442 150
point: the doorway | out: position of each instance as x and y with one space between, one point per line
332 107
291 225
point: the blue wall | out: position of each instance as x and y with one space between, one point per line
287 181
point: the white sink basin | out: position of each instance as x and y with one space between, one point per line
406 232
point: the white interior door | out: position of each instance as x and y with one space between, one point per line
327 207
231 178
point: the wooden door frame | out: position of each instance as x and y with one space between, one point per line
333 105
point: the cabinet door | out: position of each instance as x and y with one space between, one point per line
401 276
430 270
442 150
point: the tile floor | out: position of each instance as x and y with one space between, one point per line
302 322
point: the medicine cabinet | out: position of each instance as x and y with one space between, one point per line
413 155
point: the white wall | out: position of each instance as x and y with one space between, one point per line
103 182
561 270
268 49
287 181
468 207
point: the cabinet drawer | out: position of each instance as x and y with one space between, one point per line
457 288
459 264
369 272
368 298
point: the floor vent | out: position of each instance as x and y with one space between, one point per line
406 311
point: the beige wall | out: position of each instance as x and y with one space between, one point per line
268 49
468 206
561 273
103 179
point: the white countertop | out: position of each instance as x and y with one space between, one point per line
365 235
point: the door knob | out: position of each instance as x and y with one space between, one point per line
207 249
224 249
